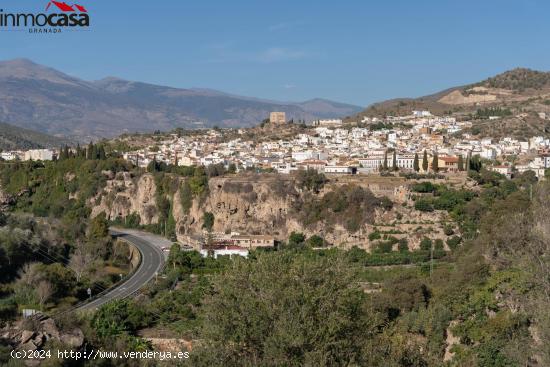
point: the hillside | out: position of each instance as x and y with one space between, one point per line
525 92
12 137
43 99
480 298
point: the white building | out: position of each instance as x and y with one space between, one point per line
309 154
343 170
8 156
224 250
422 113
39 155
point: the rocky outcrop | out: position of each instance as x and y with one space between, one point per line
252 204
5 199
33 334
125 195
260 207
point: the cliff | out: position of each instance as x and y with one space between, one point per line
254 204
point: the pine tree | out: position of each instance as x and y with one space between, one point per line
425 162
460 163
89 151
435 163
95 154
416 163
385 163
66 152
61 153
101 152
394 161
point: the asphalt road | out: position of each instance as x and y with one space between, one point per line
152 262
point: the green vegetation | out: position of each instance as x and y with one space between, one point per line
58 189
519 79
311 180
42 268
388 126
12 138
208 221
300 304
349 205
487 112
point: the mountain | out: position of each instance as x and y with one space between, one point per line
13 138
44 99
523 93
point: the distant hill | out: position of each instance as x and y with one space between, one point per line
14 138
524 92
43 99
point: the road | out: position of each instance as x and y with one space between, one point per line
152 262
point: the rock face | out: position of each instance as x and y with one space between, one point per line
5 199
33 334
248 205
261 207
125 195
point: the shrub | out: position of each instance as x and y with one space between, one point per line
423 205
453 242
208 221
374 236
448 230
403 245
315 241
423 187
426 244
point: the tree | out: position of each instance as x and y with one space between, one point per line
99 227
385 162
311 313
44 290
475 163
425 162
61 153
79 263
435 163
416 164
199 181
460 163
316 241
101 153
94 152
394 161
89 151
118 317
403 245
208 221
186 197
296 239
312 180
426 244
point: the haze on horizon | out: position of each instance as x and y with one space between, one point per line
353 52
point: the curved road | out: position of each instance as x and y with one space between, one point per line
152 262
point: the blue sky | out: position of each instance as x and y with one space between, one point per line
350 51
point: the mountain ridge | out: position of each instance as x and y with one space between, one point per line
44 99
15 138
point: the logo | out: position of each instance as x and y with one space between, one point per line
62 16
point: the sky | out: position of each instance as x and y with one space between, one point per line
356 52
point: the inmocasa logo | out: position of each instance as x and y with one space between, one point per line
62 16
